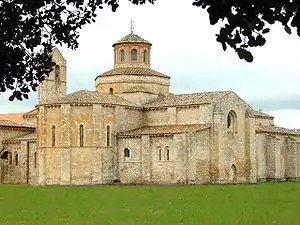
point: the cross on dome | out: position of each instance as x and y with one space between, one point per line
131 26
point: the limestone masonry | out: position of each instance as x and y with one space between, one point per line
132 130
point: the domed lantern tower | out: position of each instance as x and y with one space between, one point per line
131 77
132 50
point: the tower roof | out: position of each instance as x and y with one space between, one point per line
133 70
131 38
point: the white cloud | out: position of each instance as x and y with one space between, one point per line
287 118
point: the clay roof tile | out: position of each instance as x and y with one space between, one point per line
131 38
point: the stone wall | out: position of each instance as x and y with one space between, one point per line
55 85
138 98
178 115
145 164
173 159
127 83
30 120
165 170
7 133
231 146
128 119
278 157
68 162
14 164
156 117
23 164
194 115
199 164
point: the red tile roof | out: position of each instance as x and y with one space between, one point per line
14 117
133 70
187 99
278 130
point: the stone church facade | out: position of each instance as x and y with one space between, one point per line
132 130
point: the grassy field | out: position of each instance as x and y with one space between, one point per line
269 203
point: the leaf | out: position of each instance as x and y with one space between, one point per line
288 29
25 96
224 46
237 37
213 19
260 40
245 54
266 30
11 98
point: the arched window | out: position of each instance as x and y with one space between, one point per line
57 73
16 159
108 136
232 122
111 91
9 158
53 136
122 55
159 153
145 56
126 153
34 159
167 153
133 55
81 135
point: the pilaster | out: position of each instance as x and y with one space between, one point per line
146 158
24 163
252 151
65 153
96 142
41 144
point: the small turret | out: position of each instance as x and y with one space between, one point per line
55 85
132 50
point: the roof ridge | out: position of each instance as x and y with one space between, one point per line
204 92
90 97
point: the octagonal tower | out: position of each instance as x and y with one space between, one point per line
131 76
132 50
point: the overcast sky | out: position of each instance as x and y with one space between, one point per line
184 48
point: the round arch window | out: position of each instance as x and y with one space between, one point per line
134 55
122 55
232 121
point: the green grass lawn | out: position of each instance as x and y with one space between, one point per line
269 203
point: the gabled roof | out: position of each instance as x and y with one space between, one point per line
90 97
32 112
131 38
260 114
14 117
166 129
187 99
277 130
9 123
26 137
133 70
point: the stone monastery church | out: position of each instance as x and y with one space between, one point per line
132 130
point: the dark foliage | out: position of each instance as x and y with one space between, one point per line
29 29
245 22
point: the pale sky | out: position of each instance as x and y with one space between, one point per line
184 47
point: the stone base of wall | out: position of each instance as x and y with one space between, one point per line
281 179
